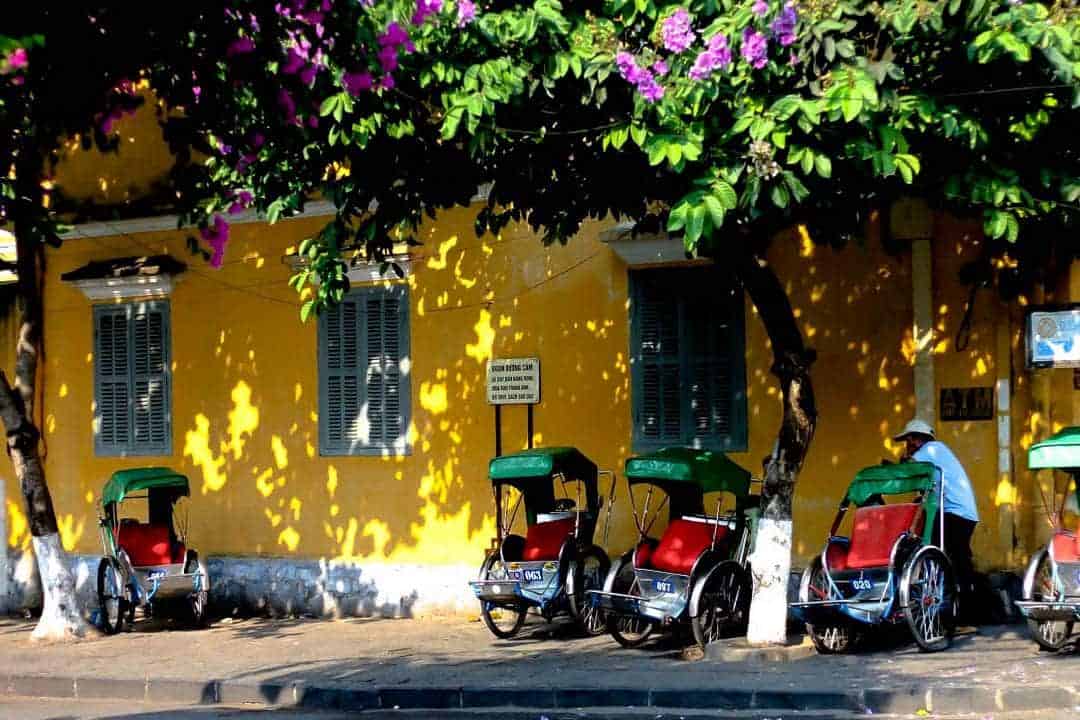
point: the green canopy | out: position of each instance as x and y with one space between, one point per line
125 482
542 463
710 471
893 479
1061 451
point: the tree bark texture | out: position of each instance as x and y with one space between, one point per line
60 618
771 559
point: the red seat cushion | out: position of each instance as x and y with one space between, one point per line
543 540
682 543
1066 547
148 544
874 533
643 554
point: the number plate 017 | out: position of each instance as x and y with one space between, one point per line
664 586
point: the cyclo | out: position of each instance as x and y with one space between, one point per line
697 572
148 563
1051 590
889 570
555 563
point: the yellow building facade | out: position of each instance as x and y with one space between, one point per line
244 377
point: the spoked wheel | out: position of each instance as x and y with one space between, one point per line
199 600
504 621
837 637
1051 635
928 597
721 601
112 596
628 630
588 573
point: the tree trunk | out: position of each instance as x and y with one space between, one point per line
60 617
771 559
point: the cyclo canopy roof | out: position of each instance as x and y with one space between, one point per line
898 479
1060 451
533 472
125 482
686 474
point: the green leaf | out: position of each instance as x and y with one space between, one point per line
823 165
779 196
695 223
1012 229
785 107
638 134
328 105
305 310
726 194
452 121
715 208
807 163
677 216
851 106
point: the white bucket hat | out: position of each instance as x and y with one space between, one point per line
915 427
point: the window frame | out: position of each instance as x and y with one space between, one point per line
380 448
709 276
133 448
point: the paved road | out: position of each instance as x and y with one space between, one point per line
41 709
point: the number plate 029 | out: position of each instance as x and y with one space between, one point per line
862 584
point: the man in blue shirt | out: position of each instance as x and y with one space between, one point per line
960 514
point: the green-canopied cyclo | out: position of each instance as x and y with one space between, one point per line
146 560
697 572
553 565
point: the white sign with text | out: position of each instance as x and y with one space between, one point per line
513 381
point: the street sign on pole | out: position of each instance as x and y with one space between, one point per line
513 381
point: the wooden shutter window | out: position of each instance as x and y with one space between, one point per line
132 380
364 391
688 379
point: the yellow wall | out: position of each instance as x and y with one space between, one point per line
245 387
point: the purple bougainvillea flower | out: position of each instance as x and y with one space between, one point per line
660 67
783 27
393 36
628 68
18 59
649 89
242 199
760 8
387 82
288 105
257 140
755 48
466 12
424 8
216 236
676 31
717 55
294 62
357 82
388 58
240 46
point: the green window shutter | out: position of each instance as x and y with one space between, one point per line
688 378
363 366
132 380
112 378
658 398
151 400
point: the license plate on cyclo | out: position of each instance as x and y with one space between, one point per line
155 574
663 586
533 576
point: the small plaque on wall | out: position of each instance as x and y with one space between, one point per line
970 403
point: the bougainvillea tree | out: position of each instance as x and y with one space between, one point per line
720 121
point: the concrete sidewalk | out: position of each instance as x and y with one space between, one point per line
453 663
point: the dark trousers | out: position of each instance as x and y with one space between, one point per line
957 546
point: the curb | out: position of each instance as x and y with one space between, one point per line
900 700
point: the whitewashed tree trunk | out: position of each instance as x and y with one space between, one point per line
60 617
771 560
771 566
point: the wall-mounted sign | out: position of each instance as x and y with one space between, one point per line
513 381
1053 338
970 403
